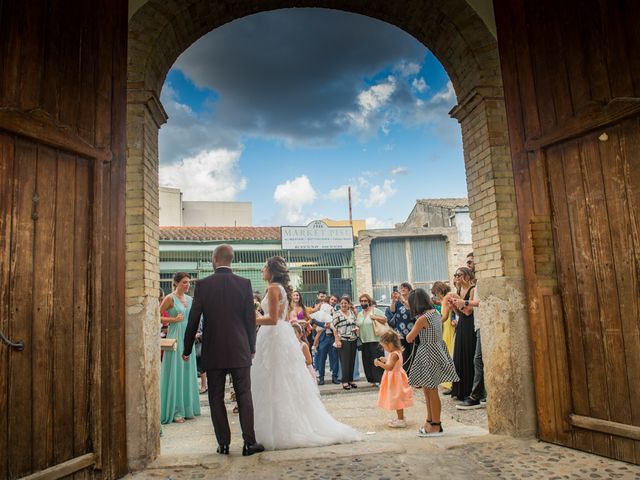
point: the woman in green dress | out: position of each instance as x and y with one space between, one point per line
179 397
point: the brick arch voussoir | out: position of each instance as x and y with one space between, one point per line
162 29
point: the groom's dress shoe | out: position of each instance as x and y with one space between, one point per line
223 449
251 449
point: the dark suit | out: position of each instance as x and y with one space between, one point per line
225 302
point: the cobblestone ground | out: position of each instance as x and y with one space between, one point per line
467 450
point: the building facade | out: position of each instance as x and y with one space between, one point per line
189 249
176 212
427 247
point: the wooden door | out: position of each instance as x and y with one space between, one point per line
571 74
62 106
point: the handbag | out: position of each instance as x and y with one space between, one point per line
169 344
380 328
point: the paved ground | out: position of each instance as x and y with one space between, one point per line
467 450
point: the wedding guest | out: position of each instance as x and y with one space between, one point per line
371 348
440 291
324 342
179 398
431 364
346 335
395 392
298 314
304 346
202 374
399 317
465 342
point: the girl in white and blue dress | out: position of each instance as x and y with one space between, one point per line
432 364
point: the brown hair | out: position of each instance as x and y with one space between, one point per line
406 285
368 297
390 337
277 268
467 273
440 288
299 331
177 278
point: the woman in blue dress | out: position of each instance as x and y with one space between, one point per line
179 395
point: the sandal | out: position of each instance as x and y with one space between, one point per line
346 386
203 391
423 432
353 385
179 420
235 409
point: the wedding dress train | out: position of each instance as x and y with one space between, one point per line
289 413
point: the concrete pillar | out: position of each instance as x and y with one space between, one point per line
145 115
362 258
496 244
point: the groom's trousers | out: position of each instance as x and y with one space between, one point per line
241 378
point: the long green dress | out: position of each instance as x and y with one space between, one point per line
179 393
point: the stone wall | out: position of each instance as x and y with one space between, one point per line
144 117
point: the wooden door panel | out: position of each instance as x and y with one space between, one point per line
572 91
20 422
47 415
43 309
7 152
62 140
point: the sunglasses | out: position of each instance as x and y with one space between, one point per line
457 275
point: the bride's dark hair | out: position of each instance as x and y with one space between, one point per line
277 268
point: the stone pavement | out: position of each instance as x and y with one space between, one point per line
467 450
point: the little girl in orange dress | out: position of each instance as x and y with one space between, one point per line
395 392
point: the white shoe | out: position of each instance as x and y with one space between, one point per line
397 423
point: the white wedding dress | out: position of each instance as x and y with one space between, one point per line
288 410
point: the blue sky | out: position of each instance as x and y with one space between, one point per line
286 108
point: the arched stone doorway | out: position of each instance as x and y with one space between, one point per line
159 31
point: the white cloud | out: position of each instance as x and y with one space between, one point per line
448 95
370 115
292 196
209 175
373 223
419 85
339 193
399 171
379 194
408 69
388 147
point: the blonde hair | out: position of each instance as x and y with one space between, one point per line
391 337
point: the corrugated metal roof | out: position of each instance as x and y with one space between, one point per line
202 234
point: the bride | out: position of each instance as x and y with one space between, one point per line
289 411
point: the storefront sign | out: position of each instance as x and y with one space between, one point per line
316 236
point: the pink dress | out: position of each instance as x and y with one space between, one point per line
395 392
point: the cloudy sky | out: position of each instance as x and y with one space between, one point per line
286 109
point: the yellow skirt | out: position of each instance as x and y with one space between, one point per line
448 333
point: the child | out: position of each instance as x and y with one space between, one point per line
395 392
305 350
432 364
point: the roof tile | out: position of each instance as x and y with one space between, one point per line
219 233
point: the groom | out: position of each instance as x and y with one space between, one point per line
225 301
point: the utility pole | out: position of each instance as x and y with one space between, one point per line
350 210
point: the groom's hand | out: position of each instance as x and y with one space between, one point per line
185 357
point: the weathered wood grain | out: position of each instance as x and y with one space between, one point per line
43 306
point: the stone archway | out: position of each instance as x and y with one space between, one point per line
160 30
